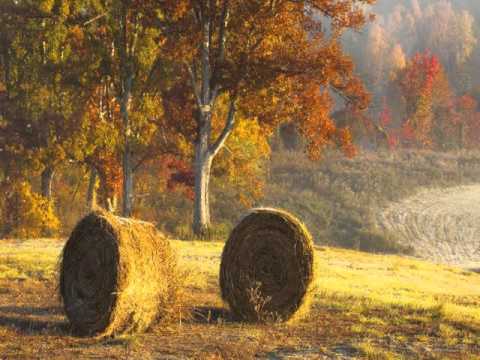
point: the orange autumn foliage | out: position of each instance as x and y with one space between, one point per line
424 88
270 62
273 75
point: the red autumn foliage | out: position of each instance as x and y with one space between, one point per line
385 117
179 175
424 88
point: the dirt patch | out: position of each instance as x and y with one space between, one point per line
441 225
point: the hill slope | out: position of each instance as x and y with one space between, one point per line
340 199
365 306
442 225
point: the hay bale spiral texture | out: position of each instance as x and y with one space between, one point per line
117 275
267 267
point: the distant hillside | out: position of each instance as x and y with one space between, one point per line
441 224
339 198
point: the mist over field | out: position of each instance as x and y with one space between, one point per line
447 28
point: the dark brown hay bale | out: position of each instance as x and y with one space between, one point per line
267 267
117 275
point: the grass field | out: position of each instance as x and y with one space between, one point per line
365 306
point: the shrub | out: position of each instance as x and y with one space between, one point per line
26 214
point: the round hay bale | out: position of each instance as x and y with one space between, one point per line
117 275
267 267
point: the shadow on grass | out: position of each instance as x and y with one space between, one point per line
26 319
37 327
211 315
39 311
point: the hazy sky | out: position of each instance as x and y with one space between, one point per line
386 6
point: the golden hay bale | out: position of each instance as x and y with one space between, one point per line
117 275
267 267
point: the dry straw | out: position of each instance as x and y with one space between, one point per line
267 267
116 275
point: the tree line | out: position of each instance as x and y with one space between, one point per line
419 59
113 85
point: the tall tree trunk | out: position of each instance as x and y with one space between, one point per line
127 182
126 49
206 93
202 168
46 182
92 191
204 155
127 152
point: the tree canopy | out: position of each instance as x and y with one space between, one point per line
115 84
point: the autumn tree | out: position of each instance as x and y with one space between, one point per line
124 50
449 33
101 138
39 103
463 128
70 83
377 52
90 85
402 28
425 90
239 53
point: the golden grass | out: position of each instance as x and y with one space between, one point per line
380 280
370 280
375 306
379 296
29 259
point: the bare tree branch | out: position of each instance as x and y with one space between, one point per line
227 130
193 80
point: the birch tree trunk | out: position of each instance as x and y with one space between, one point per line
204 155
47 181
206 92
91 191
202 168
203 158
127 167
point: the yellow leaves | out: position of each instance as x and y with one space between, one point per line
248 140
346 142
41 96
148 48
65 7
184 146
173 10
180 8
46 5
25 213
241 161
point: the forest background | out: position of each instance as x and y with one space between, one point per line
95 105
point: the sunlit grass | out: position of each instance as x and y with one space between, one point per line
377 296
32 259
386 281
375 280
